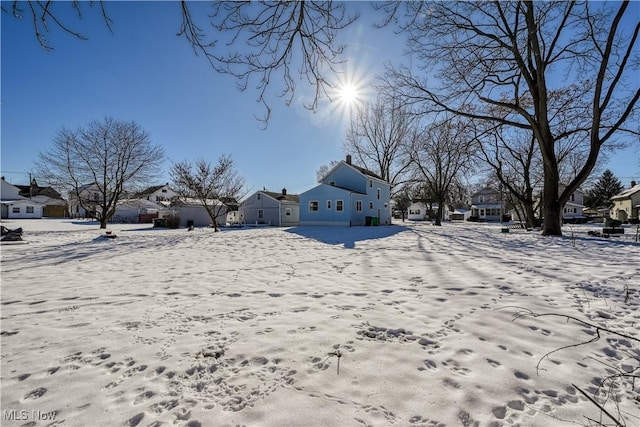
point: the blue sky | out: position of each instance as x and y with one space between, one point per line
144 73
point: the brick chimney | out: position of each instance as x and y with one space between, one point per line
633 184
348 159
284 191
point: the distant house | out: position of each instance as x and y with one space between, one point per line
460 214
270 208
572 211
136 211
191 212
16 206
347 195
88 195
486 204
53 205
417 211
626 205
157 194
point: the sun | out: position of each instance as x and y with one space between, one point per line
348 94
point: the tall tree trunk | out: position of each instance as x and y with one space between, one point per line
530 215
103 223
439 214
551 208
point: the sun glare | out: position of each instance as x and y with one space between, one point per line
348 94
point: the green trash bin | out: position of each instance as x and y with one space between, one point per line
160 222
375 221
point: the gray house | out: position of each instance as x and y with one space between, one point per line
270 208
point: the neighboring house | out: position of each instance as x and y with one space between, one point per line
270 208
90 196
573 209
191 212
157 194
417 211
460 214
347 195
53 205
16 206
486 204
626 205
136 211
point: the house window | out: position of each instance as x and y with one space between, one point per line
573 198
260 213
258 196
370 183
575 210
287 212
482 212
358 205
339 206
328 204
370 205
378 194
332 183
15 209
481 200
164 190
30 209
313 206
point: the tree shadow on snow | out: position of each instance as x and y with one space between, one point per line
346 236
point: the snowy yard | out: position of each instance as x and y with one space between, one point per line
404 325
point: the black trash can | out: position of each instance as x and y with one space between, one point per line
189 223
367 221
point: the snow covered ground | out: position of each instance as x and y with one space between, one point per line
403 325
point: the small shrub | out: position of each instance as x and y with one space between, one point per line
173 221
610 222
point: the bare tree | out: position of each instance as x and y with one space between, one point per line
513 56
512 157
440 157
271 40
323 170
212 186
110 155
45 15
377 136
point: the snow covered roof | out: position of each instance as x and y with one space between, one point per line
627 193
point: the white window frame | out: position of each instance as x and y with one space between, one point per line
370 206
30 209
379 191
328 205
15 209
314 204
260 213
339 205
287 212
358 205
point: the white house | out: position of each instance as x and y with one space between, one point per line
16 206
158 193
347 195
191 212
135 211
90 196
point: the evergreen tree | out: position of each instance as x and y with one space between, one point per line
603 190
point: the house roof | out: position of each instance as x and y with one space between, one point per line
151 190
29 190
627 193
362 170
283 197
